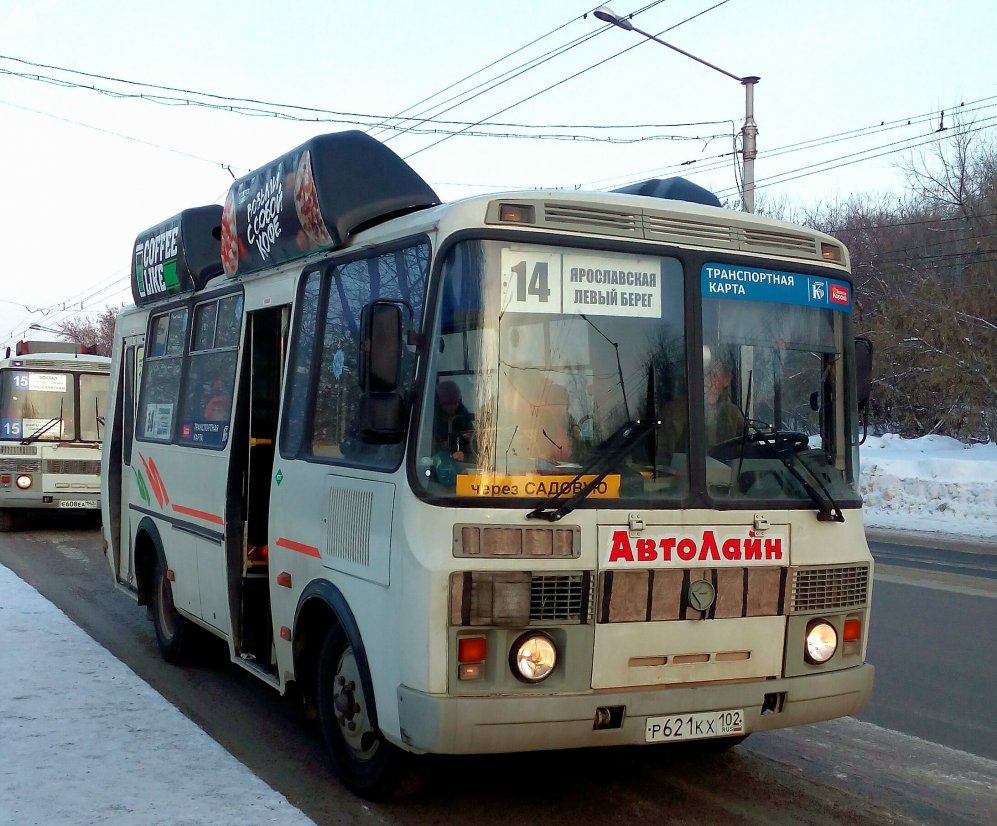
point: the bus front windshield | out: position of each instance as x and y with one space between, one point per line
41 405
552 367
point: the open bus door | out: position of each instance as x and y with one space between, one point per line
250 474
121 479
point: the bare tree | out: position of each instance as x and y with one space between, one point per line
925 272
97 334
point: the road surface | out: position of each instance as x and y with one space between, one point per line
921 753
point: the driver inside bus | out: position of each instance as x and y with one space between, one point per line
724 420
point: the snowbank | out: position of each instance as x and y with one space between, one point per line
934 483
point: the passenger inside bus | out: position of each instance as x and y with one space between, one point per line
453 423
219 404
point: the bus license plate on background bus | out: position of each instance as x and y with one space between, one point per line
79 503
728 723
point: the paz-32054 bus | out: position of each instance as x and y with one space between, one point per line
52 407
526 471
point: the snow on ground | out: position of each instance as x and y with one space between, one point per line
932 484
84 740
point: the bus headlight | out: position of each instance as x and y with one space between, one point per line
822 641
533 657
23 481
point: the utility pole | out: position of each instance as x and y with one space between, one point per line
749 132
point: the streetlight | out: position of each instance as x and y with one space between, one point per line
750 129
45 329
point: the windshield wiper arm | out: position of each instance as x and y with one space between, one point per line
615 446
45 428
828 509
34 437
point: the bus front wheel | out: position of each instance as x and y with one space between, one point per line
366 762
172 630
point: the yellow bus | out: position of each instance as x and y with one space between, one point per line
533 470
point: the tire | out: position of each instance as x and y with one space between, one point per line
365 761
173 632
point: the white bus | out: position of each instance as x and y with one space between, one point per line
52 404
538 470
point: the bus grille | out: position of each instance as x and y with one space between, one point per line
559 598
89 467
18 450
791 242
19 465
676 230
825 589
584 218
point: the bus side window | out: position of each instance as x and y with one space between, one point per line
301 363
210 382
335 435
161 372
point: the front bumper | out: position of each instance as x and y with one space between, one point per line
61 500
476 725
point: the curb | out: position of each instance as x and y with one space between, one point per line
931 539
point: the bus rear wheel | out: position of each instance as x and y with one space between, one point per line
367 763
173 631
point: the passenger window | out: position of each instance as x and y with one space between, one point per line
161 376
210 385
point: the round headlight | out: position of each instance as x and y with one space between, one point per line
533 657
24 482
822 641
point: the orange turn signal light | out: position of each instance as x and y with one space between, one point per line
853 630
516 214
830 252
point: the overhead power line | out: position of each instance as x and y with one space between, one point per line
496 62
255 108
570 77
855 157
695 166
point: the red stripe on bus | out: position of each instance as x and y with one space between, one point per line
207 517
291 545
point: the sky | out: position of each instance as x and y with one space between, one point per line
95 155
65 695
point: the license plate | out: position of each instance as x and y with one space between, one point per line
79 503
694 726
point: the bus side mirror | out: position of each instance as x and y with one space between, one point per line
380 372
863 381
863 370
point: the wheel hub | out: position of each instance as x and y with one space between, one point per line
351 712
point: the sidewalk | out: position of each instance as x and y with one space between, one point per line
83 740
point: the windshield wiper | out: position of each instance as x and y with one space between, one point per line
624 438
783 447
45 428
628 434
34 437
